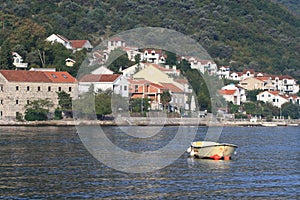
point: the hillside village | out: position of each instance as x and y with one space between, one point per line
163 86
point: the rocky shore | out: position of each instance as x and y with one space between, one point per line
138 121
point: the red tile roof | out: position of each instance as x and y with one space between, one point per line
138 81
182 81
281 77
37 76
172 87
263 78
116 39
99 78
227 92
78 43
250 70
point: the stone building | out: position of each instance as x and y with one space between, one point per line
18 88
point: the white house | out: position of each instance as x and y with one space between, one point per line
132 52
203 66
154 56
18 61
242 91
56 38
294 99
235 76
130 71
273 97
115 43
247 73
285 84
233 93
223 72
99 82
178 100
70 62
121 86
78 45
75 45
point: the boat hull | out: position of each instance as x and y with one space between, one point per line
212 150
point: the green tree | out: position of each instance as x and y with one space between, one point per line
137 59
165 98
6 56
84 106
171 58
38 110
290 110
251 95
139 105
65 103
233 108
184 65
102 105
118 59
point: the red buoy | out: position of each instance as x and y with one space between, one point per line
216 157
226 157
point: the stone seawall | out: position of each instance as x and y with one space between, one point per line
138 121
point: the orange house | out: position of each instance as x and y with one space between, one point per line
141 88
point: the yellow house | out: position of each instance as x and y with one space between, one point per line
154 74
257 83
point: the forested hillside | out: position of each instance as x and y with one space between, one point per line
292 5
261 35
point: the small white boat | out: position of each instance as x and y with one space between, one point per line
292 124
269 124
212 150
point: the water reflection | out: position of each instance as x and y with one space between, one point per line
208 164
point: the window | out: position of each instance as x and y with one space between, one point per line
274 100
269 95
38 88
28 102
28 88
1 101
53 75
63 75
17 102
136 88
1 88
17 88
1 113
70 89
49 89
125 88
59 89
262 95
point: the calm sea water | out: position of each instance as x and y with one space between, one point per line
52 163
